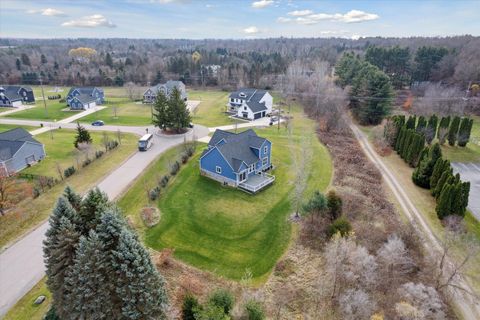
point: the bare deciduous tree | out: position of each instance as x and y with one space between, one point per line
441 100
356 304
424 300
394 258
7 184
133 91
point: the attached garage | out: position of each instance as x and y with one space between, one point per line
16 103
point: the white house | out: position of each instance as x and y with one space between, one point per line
250 103
150 94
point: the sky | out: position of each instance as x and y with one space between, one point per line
236 19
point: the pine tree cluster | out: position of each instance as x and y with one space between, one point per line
95 264
170 112
408 138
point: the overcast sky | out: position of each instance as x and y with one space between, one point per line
196 19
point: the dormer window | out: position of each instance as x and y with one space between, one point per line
242 95
265 149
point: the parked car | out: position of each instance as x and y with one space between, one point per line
190 125
98 123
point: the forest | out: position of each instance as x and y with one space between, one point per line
450 61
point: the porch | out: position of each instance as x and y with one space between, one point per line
257 182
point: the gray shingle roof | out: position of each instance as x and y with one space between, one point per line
85 98
11 92
84 90
12 140
252 98
237 147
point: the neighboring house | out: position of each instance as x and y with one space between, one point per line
250 103
15 96
238 160
83 98
18 150
151 94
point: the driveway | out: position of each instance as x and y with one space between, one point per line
470 172
22 264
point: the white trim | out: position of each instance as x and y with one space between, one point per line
266 161
218 169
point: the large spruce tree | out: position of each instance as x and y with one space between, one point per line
160 113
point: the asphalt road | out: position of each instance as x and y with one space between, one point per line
21 265
470 172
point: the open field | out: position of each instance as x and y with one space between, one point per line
211 111
5 127
123 112
54 112
61 151
31 212
470 153
25 309
225 230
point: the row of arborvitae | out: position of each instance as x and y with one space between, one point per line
95 264
431 171
219 306
455 130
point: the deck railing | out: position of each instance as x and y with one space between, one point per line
255 188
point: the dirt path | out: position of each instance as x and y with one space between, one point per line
464 303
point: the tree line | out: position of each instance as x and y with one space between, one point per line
408 138
227 63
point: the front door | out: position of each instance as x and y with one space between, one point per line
243 176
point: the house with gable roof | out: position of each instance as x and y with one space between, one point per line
150 95
238 160
251 104
83 98
18 149
15 96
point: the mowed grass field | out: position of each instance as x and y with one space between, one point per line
5 127
211 111
225 230
26 309
470 153
122 112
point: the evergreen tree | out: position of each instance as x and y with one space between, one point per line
412 120
74 199
334 205
59 249
400 138
25 59
178 111
464 132
422 174
439 167
431 129
415 150
421 125
445 178
190 304
444 203
83 136
453 131
223 299
109 60
443 129
18 63
43 59
91 209
160 115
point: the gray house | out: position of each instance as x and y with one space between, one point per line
14 96
83 98
151 94
18 149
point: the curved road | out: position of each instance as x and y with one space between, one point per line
21 265
467 305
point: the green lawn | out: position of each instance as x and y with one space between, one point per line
225 230
5 127
31 212
211 111
123 112
54 112
60 150
470 153
25 309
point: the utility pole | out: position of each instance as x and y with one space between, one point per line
43 95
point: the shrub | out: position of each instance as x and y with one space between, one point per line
254 310
190 150
222 298
184 157
174 169
86 162
36 192
164 181
154 193
112 144
98 154
69 171
150 216
334 204
51 314
340 225
190 304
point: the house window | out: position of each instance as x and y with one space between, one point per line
243 176
265 149
251 168
264 161
218 169
244 108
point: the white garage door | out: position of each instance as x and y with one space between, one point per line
17 103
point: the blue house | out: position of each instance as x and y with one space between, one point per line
83 98
15 96
239 160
